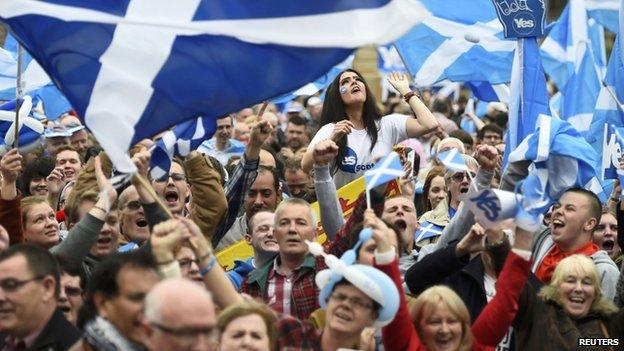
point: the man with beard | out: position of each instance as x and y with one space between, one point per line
299 182
232 227
260 237
222 146
68 160
263 194
296 137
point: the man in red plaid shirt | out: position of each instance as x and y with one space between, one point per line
286 283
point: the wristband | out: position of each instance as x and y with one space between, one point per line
208 267
202 258
409 95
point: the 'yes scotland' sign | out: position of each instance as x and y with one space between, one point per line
521 18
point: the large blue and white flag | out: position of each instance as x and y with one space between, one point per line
179 141
320 83
604 12
30 129
609 110
529 96
462 41
561 158
385 170
133 68
484 91
569 39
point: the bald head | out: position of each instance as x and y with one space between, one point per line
266 159
181 305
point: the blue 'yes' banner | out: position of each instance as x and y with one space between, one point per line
521 18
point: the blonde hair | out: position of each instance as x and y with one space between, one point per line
243 309
572 265
28 203
428 301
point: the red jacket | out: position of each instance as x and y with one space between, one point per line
489 328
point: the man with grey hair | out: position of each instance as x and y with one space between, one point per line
286 283
179 315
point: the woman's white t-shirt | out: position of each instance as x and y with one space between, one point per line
358 157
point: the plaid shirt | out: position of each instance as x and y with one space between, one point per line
304 294
236 189
297 334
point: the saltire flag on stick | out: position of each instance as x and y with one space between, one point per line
386 169
133 68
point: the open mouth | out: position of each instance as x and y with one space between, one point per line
270 242
343 316
356 89
69 173
464 189
399 223
104 240
65 308
171 196
608 245
141 223
557 223
443 342
577 301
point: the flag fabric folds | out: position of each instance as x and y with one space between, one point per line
180 141
133 68
462 41
30 129
604 12
561 158
453 160
427 230
385 170
529 97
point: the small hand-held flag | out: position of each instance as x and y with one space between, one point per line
386 169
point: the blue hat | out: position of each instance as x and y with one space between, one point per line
369 280
55 130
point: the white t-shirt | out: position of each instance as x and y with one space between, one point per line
358 157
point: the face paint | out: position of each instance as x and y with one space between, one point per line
343 90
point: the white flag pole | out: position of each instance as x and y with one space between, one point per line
19 92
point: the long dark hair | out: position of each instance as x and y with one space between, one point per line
334 111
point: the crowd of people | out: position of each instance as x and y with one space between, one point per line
86 264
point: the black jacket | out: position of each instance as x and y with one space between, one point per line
57 335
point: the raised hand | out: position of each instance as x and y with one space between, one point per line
324 152
472 242
11 166
55 181
259 133
198 241
381 232
487 156
341 129
104 185
400 82
165 237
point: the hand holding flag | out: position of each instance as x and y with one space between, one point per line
386 169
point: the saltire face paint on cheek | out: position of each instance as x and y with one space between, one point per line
343 90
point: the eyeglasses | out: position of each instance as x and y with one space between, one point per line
354 301
185 263
11 285
177 177
458 177
133 205
187 336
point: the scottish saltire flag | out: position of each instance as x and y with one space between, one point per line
581 92
427 230
317 85
567 42
484 91
180 141
619 133
132 68
453 160
561 158
385 170
462 41
529 97
30 129
608 109
604 12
